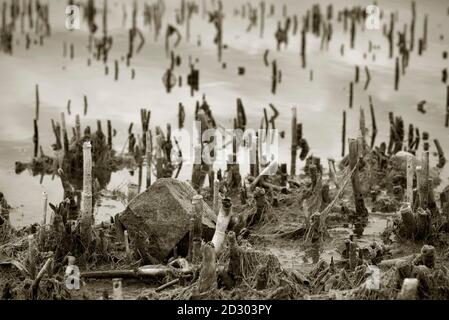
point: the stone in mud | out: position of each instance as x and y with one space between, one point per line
162 213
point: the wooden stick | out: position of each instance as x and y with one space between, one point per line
294 146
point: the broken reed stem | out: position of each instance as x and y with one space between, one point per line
86 201
294 146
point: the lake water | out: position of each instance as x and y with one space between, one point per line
319 102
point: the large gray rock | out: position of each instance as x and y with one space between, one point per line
163 214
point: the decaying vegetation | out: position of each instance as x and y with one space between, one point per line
220 237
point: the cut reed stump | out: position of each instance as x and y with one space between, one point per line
360 208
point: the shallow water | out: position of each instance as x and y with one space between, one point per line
320 102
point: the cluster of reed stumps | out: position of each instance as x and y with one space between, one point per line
230 266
